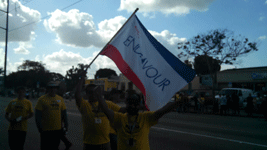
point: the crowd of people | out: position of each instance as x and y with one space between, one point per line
229 105
224 105
185 104
106 125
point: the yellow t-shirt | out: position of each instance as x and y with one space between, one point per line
116 109
202 100
19 108
177 97
51 108
95 133
139 134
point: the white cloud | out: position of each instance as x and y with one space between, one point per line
83 33
262 18
2 57
167 37
80 25
23 48
169 40
265 2
62 61
262 37
37 58
81 30
108 28
177 7
21 17
11 67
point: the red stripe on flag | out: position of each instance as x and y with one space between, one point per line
113 53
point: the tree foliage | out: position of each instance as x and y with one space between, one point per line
218 47
29 65
220 44
29 73
201 65
1 71
105 73
188 63
72 76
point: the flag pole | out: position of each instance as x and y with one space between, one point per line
111 39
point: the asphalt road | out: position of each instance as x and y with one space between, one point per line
174 131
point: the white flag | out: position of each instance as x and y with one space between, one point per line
148 64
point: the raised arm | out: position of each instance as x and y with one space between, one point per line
78 95
166 109
103 105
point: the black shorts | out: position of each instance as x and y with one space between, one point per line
50 140
16 139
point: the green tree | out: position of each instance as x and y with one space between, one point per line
105 73
201 65
36 72
188 63
29 65
1 71
55 76
221 45
31 72
72 76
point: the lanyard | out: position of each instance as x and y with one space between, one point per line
95 108
131 128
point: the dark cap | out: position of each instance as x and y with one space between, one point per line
133 98
53 84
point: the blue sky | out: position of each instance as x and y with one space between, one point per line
61 38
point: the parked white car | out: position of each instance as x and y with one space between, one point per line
67 95
242 93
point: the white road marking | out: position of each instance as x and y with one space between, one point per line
211 126
208 136
195 134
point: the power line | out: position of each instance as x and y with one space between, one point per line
71 5
17 7
45 16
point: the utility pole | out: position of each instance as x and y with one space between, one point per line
6 41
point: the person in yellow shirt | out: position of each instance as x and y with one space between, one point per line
113 96
50 112
96 126
133 127
178 98
18 112
201 101
61 90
